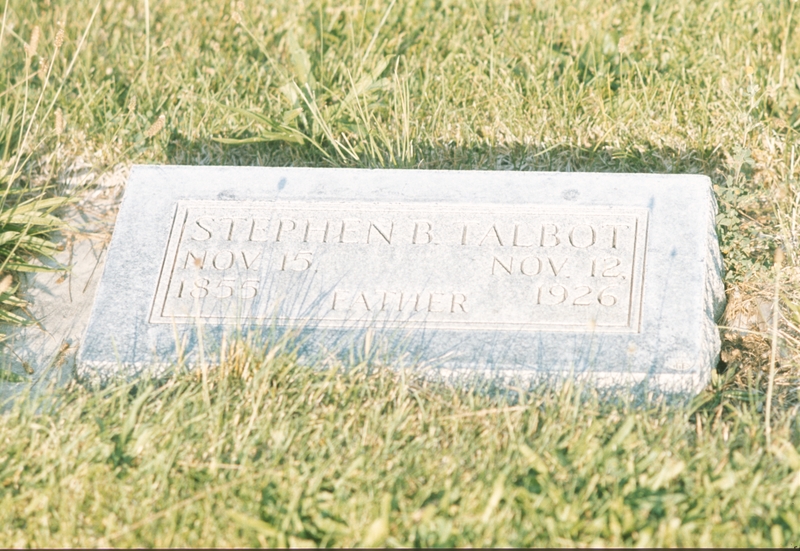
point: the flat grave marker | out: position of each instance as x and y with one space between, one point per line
610 278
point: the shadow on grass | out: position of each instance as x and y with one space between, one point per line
597 157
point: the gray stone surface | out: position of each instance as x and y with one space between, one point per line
613 279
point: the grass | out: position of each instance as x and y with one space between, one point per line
27 222
282 453
274 453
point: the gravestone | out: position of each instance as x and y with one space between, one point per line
612 279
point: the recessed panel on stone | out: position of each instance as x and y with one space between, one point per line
613 279
475 266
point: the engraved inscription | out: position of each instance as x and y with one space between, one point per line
493 267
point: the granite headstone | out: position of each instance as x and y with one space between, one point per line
613 279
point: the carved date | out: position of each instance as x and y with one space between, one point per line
221 289
582 295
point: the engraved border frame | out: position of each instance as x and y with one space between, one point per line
638 264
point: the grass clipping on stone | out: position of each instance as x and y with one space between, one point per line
264 451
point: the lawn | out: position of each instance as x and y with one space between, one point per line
268 451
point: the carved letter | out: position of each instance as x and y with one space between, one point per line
345 229
508 268
516 238
335 297
432 303
377 229
556 271
403 305
385 299
496 235
524 263
553 234
464 235
248 263
226 263
592 236
309 230
202 227
458 300
230 228
614 232
362 298
197 261
426 232
254 228
281 225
